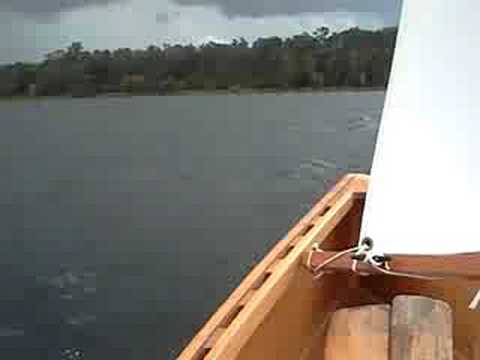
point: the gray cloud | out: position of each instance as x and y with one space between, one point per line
389 9
50 7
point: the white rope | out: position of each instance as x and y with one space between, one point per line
315 248
369 257
364 251
355 269
330 260
387 271
475 302
384 267
354 265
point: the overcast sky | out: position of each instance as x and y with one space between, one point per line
31 28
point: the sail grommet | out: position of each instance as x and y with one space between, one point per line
381 260
363 250
367 244
366 254
363 254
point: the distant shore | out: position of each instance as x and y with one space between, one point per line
279 91
353 60
324 90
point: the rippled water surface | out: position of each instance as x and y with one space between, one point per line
125 222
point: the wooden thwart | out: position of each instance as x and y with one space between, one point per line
413 328
359 333
420 329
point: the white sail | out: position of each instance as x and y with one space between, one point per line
424 195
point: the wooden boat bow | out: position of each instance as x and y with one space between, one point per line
280 312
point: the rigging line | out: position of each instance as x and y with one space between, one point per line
381 266
475 302
369 259
384 267
315 248
387 271
355 269
381 263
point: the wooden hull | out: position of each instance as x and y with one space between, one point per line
280 312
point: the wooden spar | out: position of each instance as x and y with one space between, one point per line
464 266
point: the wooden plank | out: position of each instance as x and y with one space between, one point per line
421 329
360 333
341 198
464 266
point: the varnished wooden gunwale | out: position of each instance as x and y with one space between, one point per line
294 328
231 327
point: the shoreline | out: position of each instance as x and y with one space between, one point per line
202 92
324 90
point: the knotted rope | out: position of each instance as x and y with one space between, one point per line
364 252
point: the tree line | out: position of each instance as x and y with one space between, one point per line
353 58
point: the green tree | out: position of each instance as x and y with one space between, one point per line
353 57
322 35
74 50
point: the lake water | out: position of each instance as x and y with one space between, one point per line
125 222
